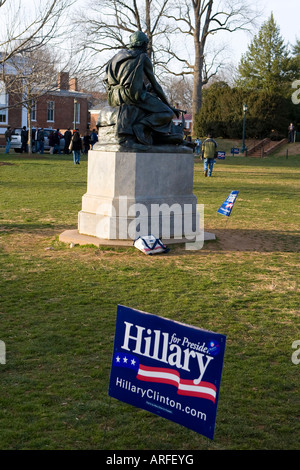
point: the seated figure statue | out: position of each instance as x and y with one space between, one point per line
140 113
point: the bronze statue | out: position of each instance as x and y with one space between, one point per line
141 113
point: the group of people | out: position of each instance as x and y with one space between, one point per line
73 142
76 145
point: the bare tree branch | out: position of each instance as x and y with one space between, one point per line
180 32
28 65
112 22
23 36
200 20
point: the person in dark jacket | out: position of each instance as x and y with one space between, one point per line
57 136
86 142
67 136
24 139
76 146
94 138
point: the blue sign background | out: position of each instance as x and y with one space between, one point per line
168 368
226 207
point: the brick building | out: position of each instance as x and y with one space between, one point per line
60 109
188 118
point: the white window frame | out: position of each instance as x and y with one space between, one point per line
50 110
3 105
77 114
33 110
3 115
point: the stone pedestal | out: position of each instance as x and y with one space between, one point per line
135 194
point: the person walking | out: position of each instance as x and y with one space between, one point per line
209 147
76 147
8 139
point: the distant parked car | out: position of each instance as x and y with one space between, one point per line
16 143
16 139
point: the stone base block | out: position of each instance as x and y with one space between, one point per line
135 194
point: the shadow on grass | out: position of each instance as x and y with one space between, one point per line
36 228
239 241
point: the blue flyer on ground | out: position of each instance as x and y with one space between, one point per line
167 368
226 207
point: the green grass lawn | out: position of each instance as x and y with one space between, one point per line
58 309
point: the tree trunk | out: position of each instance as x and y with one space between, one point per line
29 131
200 36
197 87
148 29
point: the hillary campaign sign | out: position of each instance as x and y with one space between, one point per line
168 368
226 207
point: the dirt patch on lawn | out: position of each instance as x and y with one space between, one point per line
227 240
252 240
